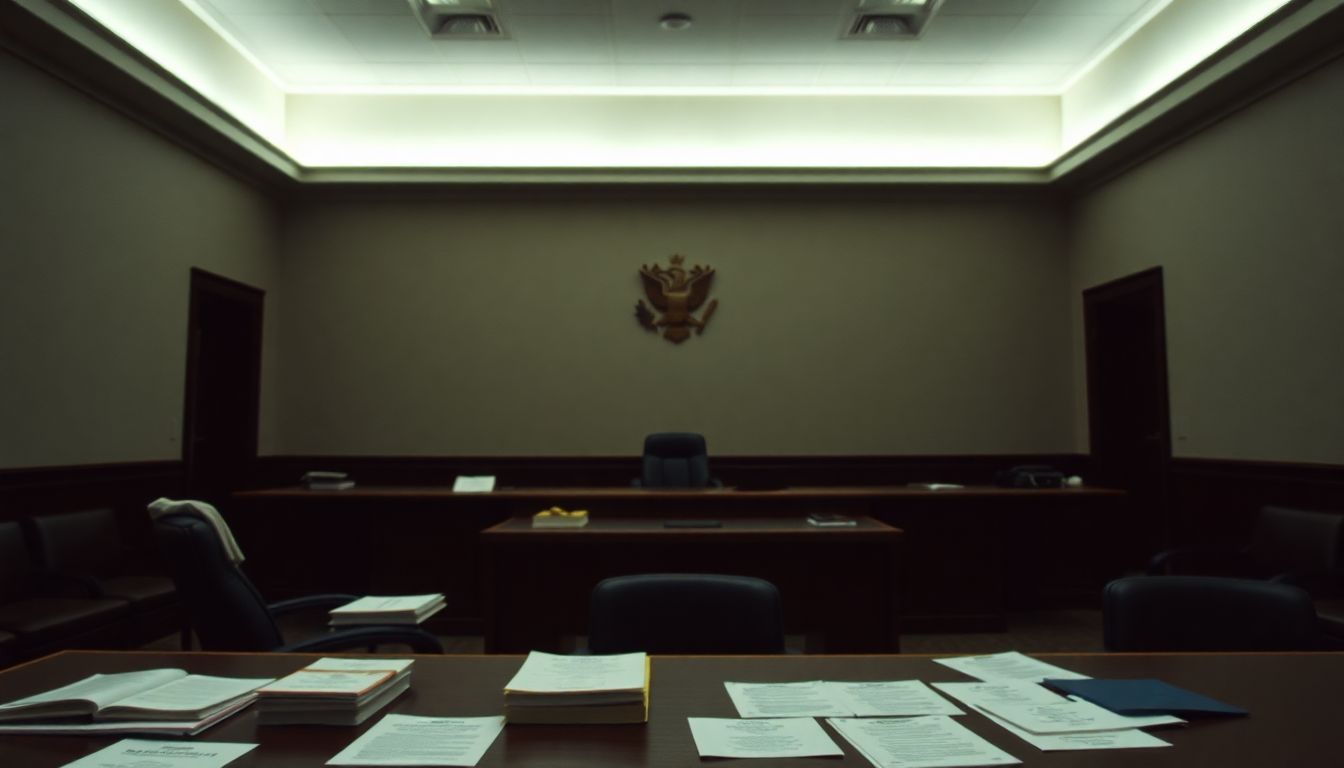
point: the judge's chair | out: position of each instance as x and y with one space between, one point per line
685 613
228 614
1207 613
675 460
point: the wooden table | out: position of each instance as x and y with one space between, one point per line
838 585
968 551
1294 719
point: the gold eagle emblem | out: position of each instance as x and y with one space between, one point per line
677 293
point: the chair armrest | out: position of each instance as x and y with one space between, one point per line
419 640
310 602
1209 562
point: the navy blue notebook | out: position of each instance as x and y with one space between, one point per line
1143 697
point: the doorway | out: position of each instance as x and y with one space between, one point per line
223 390
1127 408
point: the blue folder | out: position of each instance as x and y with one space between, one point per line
1143 697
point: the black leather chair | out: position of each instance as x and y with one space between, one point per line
41 612
685 613
675 460
227 612
1207 613
1298 546
1295 546
87 546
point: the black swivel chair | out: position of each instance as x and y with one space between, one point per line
227 612
1207 613
675 460
1295 546
685 613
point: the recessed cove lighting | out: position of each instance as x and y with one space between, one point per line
675 22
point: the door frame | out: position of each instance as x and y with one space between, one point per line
207 286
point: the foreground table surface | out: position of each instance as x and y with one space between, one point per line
1294 719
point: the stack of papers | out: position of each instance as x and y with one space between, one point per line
579 689
403 609
152 701
333 692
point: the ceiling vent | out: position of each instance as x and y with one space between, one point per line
458 19
890 19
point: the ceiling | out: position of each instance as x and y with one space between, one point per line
1017 91
1036 46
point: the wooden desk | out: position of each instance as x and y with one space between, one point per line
1291 698
968 551
838 584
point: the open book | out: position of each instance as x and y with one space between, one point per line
152 700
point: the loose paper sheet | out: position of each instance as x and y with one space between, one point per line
817 698
990 695
936 741
474 484
893 698
1009 665
1068 742
143 753
412 740
1070 716
764 737
813 698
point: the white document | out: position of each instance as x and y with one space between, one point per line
992 695
411 740
1009 665
893 698
1071 716
764 737
141 753
817 698
334 664
552 673
936 741
810 699
474 484
1068 742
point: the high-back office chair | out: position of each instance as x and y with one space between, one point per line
1303 547
227 612
1207 613
675 460
685 613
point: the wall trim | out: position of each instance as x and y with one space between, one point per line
33 490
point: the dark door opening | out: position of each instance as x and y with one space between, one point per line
1127 404
223 395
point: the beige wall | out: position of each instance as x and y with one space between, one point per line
504 325
100 223
885 327
1247 222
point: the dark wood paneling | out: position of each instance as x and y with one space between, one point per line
597 471
129 485
1214 501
